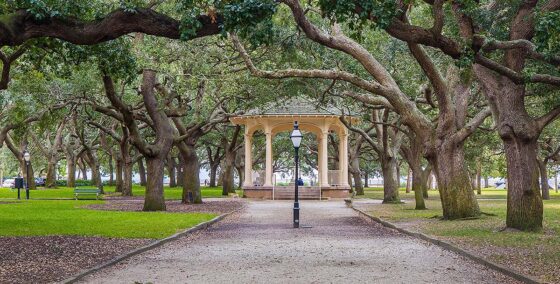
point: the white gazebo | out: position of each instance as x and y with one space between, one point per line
279 118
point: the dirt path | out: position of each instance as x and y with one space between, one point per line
258 245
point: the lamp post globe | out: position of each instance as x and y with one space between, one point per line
296 138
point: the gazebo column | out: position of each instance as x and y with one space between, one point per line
343 159
268 170
319 160
248 160
324 159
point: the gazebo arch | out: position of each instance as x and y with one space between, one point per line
276 119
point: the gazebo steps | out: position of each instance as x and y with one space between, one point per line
304 193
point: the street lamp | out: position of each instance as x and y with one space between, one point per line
27 159
296 140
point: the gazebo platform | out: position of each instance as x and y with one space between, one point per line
287 192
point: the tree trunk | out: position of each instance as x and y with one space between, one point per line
213 173
119 179
111 170
142 172
454 184
180 171
51 174
71 171
366 178
419 186
525 208
154 198
93 162
356 175
127 178
220 179
171 171
83 169
228 185
127 164
545 189
398 169
390 180
479 179
485 181
191 174
96 176
358 186
519 133
408 180
241 177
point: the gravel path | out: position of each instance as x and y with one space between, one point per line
258 245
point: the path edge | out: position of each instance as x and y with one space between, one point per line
150 246
450 247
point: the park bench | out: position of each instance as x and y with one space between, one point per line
87 191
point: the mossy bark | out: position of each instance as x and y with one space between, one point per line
524 202
154 198
71 172
356 176
51 174
127 179
456 191
419 186
228 185
191 170
171 171
390 180
119 176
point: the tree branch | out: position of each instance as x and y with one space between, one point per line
466 131
22 26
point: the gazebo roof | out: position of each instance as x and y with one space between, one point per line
294 106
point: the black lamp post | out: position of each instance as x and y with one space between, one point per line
27 159
296 140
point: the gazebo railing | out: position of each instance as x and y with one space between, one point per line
335 177
258 177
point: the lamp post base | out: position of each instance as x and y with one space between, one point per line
296 214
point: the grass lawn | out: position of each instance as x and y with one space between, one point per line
37 217
532 253
66 217
137 190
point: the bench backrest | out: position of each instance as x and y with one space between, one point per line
87 190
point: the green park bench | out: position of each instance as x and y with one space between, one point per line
87 191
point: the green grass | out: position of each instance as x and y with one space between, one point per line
173 193
541 249
67 217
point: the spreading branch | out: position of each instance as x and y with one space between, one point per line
22 26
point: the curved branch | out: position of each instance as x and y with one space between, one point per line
515 76
21 26
479 118
546 119
525 45
373 87
367 99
